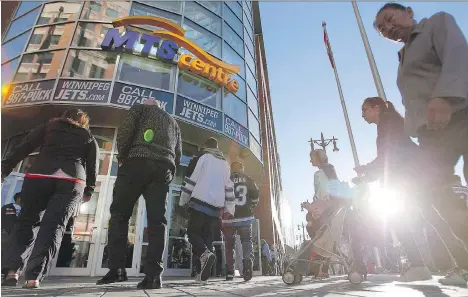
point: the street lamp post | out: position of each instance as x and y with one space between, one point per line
323 143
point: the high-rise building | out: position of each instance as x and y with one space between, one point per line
207 67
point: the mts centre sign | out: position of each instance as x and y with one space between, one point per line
164 45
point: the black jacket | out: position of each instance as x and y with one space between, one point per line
165 144
9 217
247 194
65 146
397 154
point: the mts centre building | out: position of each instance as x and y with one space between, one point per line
202 60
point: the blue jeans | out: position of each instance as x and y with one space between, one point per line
245 234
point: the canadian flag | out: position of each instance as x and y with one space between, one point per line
327 45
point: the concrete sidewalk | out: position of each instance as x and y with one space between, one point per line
377 285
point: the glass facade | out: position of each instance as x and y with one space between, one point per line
55 40
54 48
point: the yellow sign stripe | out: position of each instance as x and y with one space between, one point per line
197 51
149 20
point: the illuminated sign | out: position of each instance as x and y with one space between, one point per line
164 45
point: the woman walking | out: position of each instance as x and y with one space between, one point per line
63 174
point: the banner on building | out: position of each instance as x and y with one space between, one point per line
236 131
28 93
198 113
88 91
128 95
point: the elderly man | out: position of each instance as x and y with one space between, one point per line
433 82
149 145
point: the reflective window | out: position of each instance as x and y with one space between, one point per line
8 71
89 64
140 9
255 148
233 39
90 34
249 43
248 25
202 17
198 88
249 59
214 6
50 37
203 38
104 137
235 108
235 7
254 126
233 21
247 6
173 6
252 102
251 80
41 65
241 92
26 6
248 11
147 72
14 47
22 24
59 12
104 10
231 57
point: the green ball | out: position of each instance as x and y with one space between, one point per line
148 136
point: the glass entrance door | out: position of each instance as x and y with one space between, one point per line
78 248
133 254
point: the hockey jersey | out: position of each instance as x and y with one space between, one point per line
246 199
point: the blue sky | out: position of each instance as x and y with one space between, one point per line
303 88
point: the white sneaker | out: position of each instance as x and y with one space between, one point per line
419 273
206 260
455 277
198 280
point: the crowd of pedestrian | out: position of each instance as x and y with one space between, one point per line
221 197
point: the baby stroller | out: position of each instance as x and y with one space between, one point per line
326 239
326 244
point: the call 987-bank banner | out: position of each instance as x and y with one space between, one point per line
28 93
127 95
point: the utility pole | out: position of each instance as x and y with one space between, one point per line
323 143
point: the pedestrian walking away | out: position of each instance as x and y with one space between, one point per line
433 82
246 199
64 173
206 192
149 145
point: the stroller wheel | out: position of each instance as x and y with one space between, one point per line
288 277
297 278
355 277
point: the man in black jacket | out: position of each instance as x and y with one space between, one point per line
149 145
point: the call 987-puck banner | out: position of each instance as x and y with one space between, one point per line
198 113
88 91
236 131
127 95
28 93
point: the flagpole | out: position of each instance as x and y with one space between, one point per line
370 56
340 92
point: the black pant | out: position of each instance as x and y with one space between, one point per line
200 231
59 199
440 206
362 227
136 177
